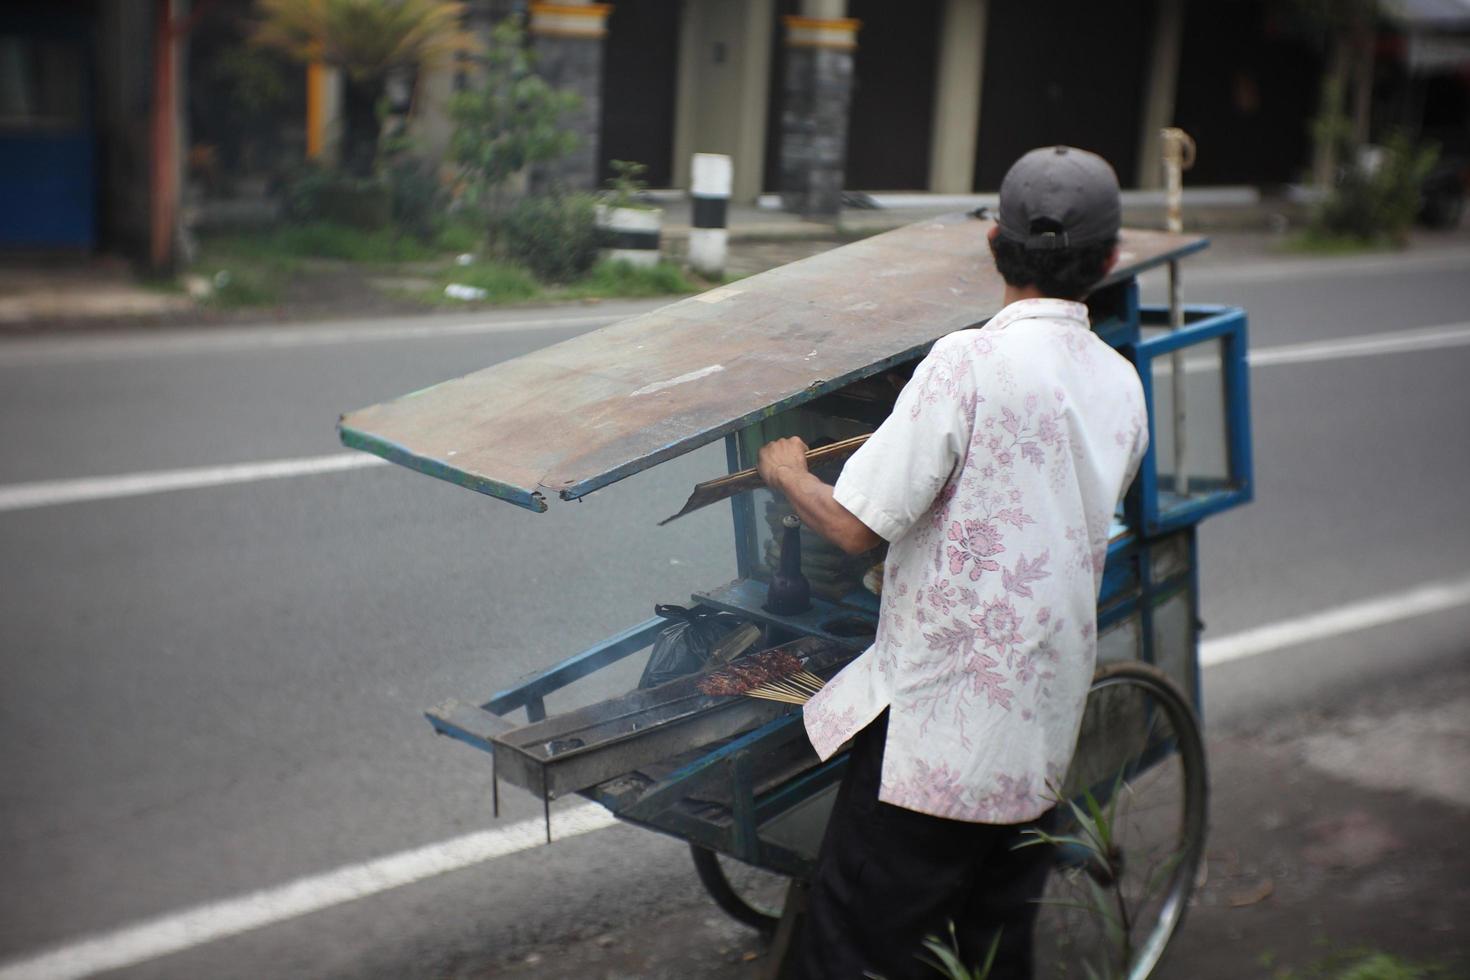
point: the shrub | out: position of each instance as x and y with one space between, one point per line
1376 198
554 236
416 196
316 194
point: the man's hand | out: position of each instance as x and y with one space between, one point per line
781 460
782 465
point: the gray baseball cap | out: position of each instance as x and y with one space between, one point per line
1075 189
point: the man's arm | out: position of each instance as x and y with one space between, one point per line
782 465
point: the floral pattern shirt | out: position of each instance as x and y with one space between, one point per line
995 481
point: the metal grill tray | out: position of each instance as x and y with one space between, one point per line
573 751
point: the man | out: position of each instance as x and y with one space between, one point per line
994 480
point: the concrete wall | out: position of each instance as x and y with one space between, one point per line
124 65
724 75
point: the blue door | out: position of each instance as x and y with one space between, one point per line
47 174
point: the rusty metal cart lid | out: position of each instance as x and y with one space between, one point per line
577 416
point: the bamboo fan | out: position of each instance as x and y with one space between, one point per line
772 676
725 487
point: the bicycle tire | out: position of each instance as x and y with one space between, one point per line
1167 781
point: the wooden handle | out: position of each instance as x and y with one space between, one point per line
725 487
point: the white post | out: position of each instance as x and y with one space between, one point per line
961 71
708 234
1178 157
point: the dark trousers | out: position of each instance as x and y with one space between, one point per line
889 877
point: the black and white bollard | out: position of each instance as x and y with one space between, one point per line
629 235
708 236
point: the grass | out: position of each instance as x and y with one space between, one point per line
506 282
321 240
1311 242
241 288
503 281
1367 964
621 280
458 237
256 268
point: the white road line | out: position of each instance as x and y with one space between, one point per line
48 493
204 924
1429 598
24 496
1294 269
1388 342
1368 345
49 350
152 938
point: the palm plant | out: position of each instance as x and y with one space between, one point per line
367 40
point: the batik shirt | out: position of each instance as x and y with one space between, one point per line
995 481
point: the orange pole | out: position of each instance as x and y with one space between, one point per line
316 109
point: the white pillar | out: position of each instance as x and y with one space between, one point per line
755 87
957 84
723 84
1163 83
709 236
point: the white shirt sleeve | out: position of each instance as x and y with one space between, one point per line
894 478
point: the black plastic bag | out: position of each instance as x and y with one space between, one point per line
684 647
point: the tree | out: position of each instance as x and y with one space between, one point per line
1348 28
367 40
508 121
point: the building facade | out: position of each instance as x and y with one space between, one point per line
813 97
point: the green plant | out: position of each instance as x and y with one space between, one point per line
1376 199
508 122
625 186
367 40
1101 874
555 236
946 957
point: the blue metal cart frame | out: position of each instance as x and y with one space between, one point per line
739 778
1152 564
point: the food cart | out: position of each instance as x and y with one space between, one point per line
818 348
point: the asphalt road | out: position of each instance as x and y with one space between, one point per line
214 691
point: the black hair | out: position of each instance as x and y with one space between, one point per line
1064 273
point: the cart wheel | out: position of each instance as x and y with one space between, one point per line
749 895
1141 754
